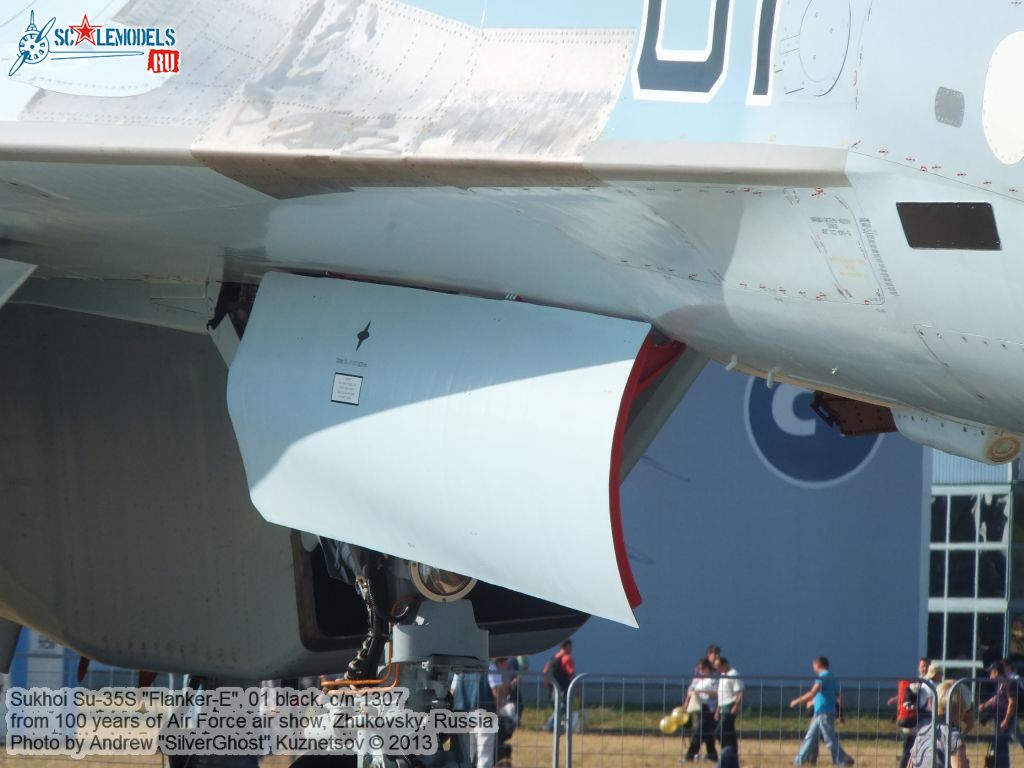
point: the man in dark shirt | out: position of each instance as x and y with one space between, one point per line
1004 706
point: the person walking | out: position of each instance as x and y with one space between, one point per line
823 699
700 699
730 703
920 704
472 691
499 678
1017 692
558 673
1003 704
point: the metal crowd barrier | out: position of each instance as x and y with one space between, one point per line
536 742
978 732
615 722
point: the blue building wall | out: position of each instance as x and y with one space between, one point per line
753 526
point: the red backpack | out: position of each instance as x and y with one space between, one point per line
554 672
906 709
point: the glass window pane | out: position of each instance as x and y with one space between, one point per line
990 637
961 574
939 520
991 574
1018 520
960 636
1016 653
937 575
935 635
993 514
962 526
1017 574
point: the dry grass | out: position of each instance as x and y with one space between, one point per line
532 748
652 751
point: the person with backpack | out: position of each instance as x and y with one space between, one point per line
559 672
949 739
913 704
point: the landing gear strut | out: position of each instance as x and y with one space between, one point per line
432 634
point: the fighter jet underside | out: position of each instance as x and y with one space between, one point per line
393 281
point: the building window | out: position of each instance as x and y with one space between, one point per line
969 578
1017 565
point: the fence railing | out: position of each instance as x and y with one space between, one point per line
629 721
536 742
976 710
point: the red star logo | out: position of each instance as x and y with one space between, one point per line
85 30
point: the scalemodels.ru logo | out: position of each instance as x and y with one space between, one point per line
85 40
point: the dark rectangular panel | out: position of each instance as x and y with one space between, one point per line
937 574
940 505
961 574
936 628
956 226
959 636
853 417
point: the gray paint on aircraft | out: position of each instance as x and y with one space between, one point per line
949 107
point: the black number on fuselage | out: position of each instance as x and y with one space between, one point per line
702 77
656 74
764 32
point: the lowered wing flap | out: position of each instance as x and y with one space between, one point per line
429 426
12 275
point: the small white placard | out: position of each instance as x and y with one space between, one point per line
346 389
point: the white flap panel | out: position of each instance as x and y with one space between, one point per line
469 434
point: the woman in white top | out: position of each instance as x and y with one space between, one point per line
700 704
949 739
